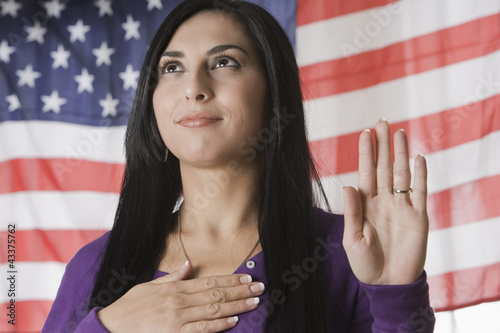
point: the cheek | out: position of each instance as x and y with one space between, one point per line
256 102
163 114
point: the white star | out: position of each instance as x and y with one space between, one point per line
129 77
103 54
35 32
10 7
78 31
53 102
104 7
84 81
27 76
60 57
154 4
6 51
131 28
108 106
54 8
14 103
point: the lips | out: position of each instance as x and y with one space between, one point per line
198 119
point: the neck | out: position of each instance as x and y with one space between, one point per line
219 202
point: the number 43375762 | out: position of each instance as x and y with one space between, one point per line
11 250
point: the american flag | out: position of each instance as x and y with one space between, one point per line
68 73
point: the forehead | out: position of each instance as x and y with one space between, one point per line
208 28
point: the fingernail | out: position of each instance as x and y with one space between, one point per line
383 119
421 155
258 287
400 130
367 130
232 320
246 279
252 301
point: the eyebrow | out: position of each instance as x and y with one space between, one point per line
213 50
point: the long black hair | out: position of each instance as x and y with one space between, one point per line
286 197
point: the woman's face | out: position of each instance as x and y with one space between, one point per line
210 98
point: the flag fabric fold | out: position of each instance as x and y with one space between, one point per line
68 74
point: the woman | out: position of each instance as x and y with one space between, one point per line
218 128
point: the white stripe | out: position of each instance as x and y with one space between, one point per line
48 139
447 168
58 210
379 27
478 318
463 247
468 246
406 98
35 281
40 281
464 163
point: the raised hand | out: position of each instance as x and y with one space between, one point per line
172 304
385 234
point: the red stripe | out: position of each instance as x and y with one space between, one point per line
309 11
448 292
30 316
49 245
59 174
463 204
445 47
426 135
463 288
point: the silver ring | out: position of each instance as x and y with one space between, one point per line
401 191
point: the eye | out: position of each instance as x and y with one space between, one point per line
170 67
226 62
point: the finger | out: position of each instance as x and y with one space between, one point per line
227 294
384 157
213 311
420 185
179 274
209 326
402 173
211 282
353 216
367 177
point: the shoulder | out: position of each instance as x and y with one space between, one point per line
327 223
70 306
88 258
329 231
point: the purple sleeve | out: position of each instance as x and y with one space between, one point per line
69 310
356 307
401 308
91 324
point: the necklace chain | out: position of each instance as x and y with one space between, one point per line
184 250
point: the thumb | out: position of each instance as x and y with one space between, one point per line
179 274
353 215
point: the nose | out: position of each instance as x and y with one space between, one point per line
198 86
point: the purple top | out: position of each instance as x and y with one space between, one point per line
352 306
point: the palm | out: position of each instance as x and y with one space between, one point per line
385 235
